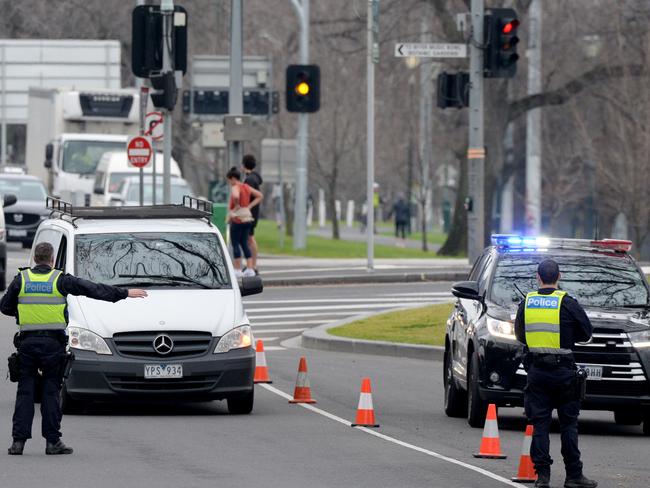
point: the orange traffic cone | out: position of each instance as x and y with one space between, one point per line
302 393
261 370
490 443
526 473
365 410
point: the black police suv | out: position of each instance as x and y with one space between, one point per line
483 360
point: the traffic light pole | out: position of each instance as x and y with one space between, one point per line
236 96
476 149
300 210
167 10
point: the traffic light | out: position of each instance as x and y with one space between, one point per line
500 40
303 88
453 90
165 92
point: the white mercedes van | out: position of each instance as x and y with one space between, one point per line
190 339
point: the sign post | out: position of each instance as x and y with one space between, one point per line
144 98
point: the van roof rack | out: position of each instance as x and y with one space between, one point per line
191 208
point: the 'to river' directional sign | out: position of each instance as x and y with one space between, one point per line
139 151
430 50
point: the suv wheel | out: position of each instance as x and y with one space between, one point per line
628 417
241 405
476 407
455 401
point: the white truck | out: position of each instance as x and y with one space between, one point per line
68 131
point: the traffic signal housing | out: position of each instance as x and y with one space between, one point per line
303 88
500 41
165 91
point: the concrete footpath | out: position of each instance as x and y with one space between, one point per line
297 271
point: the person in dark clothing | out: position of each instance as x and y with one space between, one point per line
549 322
37 298
253 179
402 212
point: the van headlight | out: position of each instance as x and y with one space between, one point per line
237 338
87 341
640 339
501 328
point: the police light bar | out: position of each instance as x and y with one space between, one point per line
529 243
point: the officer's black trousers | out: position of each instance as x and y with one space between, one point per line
47 354
548 389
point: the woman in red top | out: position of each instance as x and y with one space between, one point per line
242 199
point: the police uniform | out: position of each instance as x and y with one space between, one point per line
550 322
37 298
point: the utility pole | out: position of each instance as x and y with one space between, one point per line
476 149
372 57
300 210
142 90
534 124
167 11
235 95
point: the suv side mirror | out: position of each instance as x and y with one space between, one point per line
467 290
9 200
49 154
251 285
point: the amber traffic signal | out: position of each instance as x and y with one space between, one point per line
303 88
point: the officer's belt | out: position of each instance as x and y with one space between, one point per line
546 360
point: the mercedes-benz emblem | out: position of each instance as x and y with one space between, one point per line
163 344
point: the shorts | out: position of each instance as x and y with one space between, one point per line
252 229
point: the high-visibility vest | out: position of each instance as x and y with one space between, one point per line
542 322
40 304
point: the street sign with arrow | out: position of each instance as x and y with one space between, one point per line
430 50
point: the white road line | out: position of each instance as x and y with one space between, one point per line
336 307
273 348
266 339
387 438
345 300
274 331
255 322
251 314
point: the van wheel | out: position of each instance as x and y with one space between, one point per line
628 417
3 280
241 405
27 244
455 401
476 408
69 405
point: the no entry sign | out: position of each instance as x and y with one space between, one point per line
139 151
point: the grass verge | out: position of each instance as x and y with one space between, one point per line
268 241
425 325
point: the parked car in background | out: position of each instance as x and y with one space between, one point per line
6 201
24 217
128 193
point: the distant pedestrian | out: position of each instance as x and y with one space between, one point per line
402 212
242 199
253 179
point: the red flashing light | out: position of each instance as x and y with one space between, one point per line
618 245
510 26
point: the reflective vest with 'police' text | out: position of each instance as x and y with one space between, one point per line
542 322
40 304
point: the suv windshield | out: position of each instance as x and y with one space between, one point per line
193 260
595 280
23 189
82 157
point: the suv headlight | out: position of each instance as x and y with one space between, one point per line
87 341
237 338
501 328
640 338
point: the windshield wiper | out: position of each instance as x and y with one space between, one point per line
183 279
519 289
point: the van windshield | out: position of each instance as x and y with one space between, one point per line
178 190
151 259
594 279
82 157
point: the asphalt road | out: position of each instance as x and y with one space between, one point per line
282 445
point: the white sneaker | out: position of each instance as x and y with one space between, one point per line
238 273
248 272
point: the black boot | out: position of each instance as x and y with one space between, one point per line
543 481
16 448
57 448
580 482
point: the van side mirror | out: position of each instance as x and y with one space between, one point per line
251 285
49 154
467 290
98 190
9 200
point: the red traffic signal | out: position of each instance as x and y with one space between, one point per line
510 26
500 39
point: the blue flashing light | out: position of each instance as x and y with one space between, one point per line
513 243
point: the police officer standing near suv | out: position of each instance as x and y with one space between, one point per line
37 298
549 322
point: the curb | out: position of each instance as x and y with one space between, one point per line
368 278
318 338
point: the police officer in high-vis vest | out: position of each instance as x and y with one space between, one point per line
37 298
550 322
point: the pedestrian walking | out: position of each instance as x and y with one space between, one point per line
401 211
37 298
240 217
253 179
549 322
